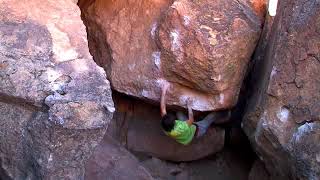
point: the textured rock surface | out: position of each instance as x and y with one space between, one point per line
14 119
137 126
226 165
282 119
258 171
203 47
206 46
55 102
111 161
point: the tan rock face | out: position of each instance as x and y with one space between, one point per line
137 126
202 48
283 116
55 102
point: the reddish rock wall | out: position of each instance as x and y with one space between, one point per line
201 48
282 119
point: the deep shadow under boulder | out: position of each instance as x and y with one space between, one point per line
137 126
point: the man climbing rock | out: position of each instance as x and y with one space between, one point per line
184 129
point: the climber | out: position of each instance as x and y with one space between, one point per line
182 129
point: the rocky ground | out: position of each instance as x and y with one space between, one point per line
234 162
226 165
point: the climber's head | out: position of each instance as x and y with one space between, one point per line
167 122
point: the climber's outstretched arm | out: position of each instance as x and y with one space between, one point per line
190 113
163 99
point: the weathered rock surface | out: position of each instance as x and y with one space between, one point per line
258 171
111 161
55 102
225 165
206 45
203 47
283 116
137 126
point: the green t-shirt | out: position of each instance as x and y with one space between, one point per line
182 132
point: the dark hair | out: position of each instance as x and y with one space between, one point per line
167 122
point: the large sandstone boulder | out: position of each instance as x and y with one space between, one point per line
201 47
206 46
111 161
283 115
137 126
55 102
